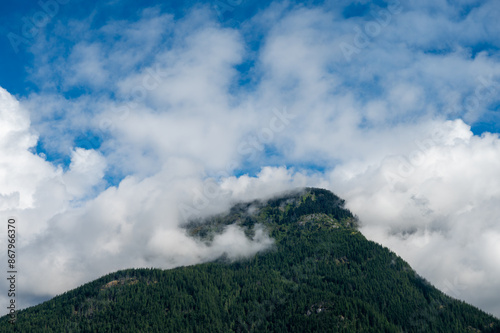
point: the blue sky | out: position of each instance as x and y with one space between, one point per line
122 120
21 58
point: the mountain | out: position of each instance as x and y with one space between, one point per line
321 275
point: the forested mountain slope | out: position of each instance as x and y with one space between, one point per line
321 275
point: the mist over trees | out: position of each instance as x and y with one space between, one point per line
320 275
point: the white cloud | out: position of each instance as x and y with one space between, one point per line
85 171
438 211
21 171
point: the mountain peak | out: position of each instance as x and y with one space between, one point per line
301 206
321 275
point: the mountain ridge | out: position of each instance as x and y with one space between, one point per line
320 275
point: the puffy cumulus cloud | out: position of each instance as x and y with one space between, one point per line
138 224
86 170
437 206
21 171
32 189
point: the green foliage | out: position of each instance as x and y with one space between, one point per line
321 276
